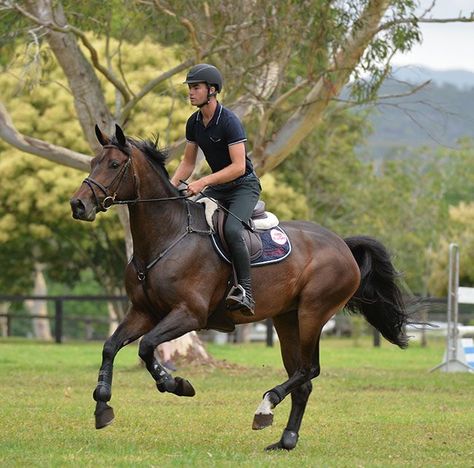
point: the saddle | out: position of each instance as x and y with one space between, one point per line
261 220
267 244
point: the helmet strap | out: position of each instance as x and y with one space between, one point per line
209 95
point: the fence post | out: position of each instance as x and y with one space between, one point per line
58 320
269 323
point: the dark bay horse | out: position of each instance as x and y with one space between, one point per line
176 282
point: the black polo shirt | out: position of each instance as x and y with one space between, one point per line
223 130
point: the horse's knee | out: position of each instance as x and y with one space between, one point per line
146 349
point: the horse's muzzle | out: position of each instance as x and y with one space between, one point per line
79 210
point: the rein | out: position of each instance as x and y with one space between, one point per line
141 273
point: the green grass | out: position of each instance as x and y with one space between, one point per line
369 407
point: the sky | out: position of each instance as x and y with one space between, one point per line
444 46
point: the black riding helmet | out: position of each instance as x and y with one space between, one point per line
205 73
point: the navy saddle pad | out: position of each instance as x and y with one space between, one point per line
276 246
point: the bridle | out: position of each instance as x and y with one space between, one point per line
109 199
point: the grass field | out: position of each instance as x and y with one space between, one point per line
370 407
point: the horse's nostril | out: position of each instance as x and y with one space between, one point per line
77 206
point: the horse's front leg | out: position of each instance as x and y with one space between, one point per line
134 325
178 322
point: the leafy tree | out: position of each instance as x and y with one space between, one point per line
285 82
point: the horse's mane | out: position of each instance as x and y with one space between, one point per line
157 157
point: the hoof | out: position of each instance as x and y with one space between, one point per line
184 388
261 421
104 415
288 441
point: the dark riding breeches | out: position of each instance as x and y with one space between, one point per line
240 198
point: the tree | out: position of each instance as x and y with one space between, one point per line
285 93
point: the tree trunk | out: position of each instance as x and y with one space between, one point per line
89 99
307 116
41 326
186 349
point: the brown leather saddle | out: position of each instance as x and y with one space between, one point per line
251 238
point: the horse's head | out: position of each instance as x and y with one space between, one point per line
111 177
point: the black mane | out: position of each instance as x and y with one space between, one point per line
157 157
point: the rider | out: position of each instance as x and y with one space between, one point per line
220 135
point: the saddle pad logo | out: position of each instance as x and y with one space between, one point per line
278 237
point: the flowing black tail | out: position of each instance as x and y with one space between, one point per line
378 298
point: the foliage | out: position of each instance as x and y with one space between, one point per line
384 199
326 170
35 219
282 199
460 230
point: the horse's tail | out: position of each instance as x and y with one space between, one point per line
378 298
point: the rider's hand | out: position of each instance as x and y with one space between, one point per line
196 187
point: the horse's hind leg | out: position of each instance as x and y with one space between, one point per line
312 315
134 325
288 333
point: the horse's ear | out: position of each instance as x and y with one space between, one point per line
122 141
103 140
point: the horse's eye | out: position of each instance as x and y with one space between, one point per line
114 164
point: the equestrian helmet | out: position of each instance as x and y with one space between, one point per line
205 73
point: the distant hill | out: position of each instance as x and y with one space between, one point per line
439 114
417 74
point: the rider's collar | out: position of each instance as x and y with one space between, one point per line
215 117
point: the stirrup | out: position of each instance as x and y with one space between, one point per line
235 296
238 299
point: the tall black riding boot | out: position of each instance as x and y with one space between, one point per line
240 298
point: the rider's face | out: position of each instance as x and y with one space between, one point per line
198 93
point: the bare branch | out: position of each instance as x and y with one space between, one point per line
41 148
108 74
159 79
304 119
348 103
265 120
460 19
188 25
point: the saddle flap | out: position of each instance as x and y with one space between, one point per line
252 239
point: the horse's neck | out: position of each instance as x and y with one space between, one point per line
154 225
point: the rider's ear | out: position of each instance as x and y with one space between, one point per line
122 141
103 140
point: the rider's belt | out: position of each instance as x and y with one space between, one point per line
236 182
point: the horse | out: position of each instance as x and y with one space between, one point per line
176 282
